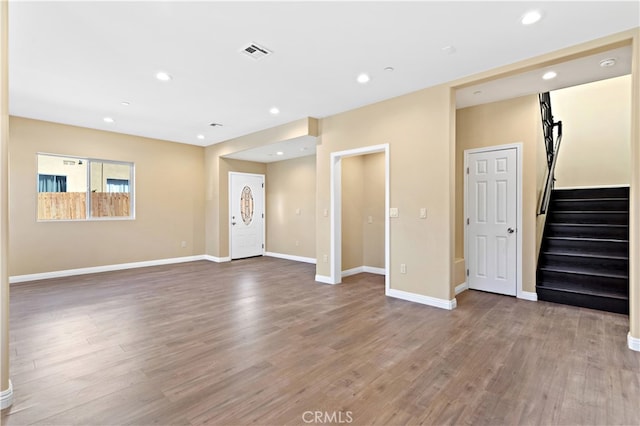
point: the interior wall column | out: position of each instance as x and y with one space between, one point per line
634 219
6 391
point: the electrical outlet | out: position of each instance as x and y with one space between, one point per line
393 212
298 212
297 243
325 258
370 219
423 213
325 213
183 244
403 268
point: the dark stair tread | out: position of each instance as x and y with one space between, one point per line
588 255
591 199
602 240
609 225
582 271
610 293
590 211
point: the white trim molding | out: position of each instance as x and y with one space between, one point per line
633 342
6 397
105 268
361 269
324 279
461 287
528 295
216 259
424 300
290 257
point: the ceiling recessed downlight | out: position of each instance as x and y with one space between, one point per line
388 69
531 17
163 76
108 120
125 103
609 62
200 136
279 153
549 75
363 78
274 111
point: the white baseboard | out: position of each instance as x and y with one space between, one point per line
633 342
424 300
374 270
106 268
528 295
216 259
361 269
6 397
290 257
324 279
461 287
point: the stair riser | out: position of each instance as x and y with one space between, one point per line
589 205
586 301
586 263
621 233
590 217
586 281
587 247
620 192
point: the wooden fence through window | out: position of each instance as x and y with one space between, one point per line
72 205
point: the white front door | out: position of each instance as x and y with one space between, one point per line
491 220
246 213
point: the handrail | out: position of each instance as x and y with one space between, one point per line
548 186
552 148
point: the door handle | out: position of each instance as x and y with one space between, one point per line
511 230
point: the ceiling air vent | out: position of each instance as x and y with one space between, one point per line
255 51
215 124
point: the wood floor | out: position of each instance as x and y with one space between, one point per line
257 341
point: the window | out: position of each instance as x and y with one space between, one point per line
52 183
71 188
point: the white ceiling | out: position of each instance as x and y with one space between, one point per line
75 62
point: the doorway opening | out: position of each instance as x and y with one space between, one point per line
336 254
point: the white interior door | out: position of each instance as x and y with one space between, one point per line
246 213
491 220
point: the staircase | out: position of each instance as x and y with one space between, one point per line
584 257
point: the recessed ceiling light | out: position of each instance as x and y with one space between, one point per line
200 137
363 78
274 111
609 62
449 50
108 120
279 153
163 76
125 103
549 75
389 69
531 17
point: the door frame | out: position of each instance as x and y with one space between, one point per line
336 210
520 294
264 209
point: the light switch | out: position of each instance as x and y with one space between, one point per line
393 212
325 213
423 212
298 212
370 219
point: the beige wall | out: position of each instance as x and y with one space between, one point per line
216 177
418 129
363 189
596 121
373 233
500 123
634 219
291 187
4 197
352 212
169 201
